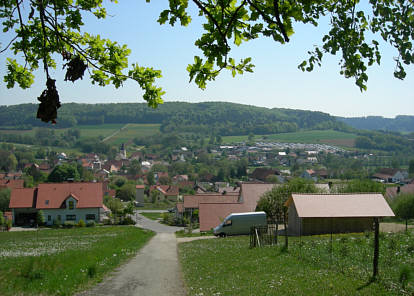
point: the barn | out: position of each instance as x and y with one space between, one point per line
310 214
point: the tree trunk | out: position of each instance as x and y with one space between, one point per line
406 225
376 249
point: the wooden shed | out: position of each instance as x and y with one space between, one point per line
310 214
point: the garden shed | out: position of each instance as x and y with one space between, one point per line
310 214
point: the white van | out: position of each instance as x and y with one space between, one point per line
240 223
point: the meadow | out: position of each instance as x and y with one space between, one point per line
133 130
64 261
311 266
309 137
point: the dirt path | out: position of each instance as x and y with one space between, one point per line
154 271
393 227
115 133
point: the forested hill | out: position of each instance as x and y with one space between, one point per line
401 123
210 117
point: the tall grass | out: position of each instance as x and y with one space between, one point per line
229 267
61 262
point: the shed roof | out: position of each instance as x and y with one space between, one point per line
340 205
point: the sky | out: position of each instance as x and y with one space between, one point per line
275 83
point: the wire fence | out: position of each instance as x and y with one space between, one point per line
263 235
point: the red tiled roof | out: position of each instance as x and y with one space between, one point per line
12 184
167 190
22 198
250 194
212 214
8 216
139 186
180 207
393 191
89 195
193 201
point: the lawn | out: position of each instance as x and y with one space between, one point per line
228 267
153 215
164 205
64 261
317 136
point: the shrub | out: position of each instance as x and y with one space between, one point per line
57 223
40 218
405 275
2 221
81 223
8 224
69 224
91 271
90 223
128 221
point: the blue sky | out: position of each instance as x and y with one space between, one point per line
275 83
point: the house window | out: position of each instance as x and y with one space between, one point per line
71 205
59 217
90 216
49 218
70 217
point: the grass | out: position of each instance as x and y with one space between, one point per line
157 206
64 261
153 215
131 131
316 136
184 233
228 267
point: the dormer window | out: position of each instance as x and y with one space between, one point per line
71 205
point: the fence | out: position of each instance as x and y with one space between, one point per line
263 235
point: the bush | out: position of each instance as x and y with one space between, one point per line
127 221
57 223
8 224
92 271
40 218
81 223
69 224
91 223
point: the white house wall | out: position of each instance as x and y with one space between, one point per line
80 214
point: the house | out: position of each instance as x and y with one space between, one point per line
311 214
262 174
58 201
139 193
169 192
393 192
11 184
389 175
309 175
212 212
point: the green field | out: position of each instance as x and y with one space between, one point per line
152 215
133 130
103 130
64 261
229 267
317 137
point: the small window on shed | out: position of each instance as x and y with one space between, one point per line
46 202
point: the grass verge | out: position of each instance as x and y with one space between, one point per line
185 233
152 216
61 262
228 267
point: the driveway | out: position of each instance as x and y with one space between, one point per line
153 271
